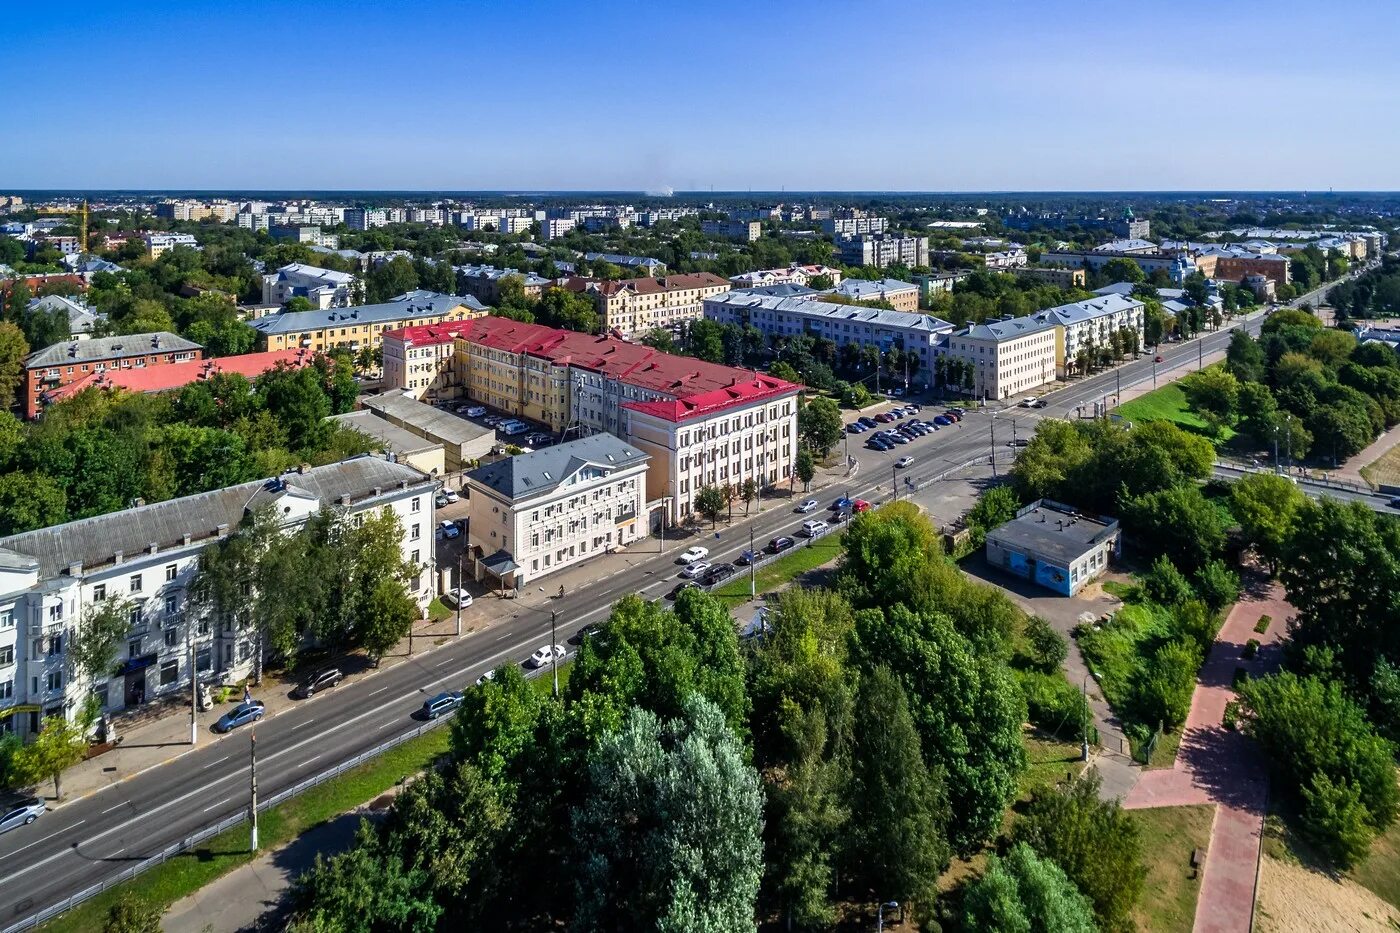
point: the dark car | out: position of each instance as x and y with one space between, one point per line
442 704
19 811
868 421
778 545
943 420
321 680
841 503
746 558
681 587
243 713
956 411
586 633
718 574
855 427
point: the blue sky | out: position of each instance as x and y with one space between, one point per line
863 94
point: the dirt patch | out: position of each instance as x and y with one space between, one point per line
1294 899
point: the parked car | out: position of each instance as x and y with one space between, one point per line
545 655
952 416
903 462
456 597
897 392
489 675
695 568
1158 359
1029 402
442 704
476 411
19 811
884 417
805 506
585 633
813 528
439 500
778 545
243 713
718 574
320 680
900 439
955 410
448 528
868 421
449 495
912 408
943 420
878 443
691 555
493 420
746 558
855 427
681 587
930 425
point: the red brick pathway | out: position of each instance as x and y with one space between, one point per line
1219 766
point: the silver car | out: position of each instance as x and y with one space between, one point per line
19 811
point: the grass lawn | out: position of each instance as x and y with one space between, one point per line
1379 873
188 872
437 610
1169 404
1384 469
779 573
1048 760
1164 753
1168 902
1118 589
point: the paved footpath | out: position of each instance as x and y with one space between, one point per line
1219 766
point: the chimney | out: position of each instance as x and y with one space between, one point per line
221 529
303 468
152 548
75 569
378 491
403 484
185 539
345 499
117 557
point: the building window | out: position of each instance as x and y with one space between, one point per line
135 583
99 592
55 646
415 533
171 637
7 690
53 680
133 648
171 571
172 603
7 654
169 672
416 504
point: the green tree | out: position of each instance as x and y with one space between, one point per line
1055 453
1213 394
805 469
1045 649
1095 842
29 501
93 643
668 835
1162 691
363 890
13 349
748 492
704 339
994 508
390 279
1026 893
1166 585
1218 585
780 369
819 425
899 806
497 725
388 617
710 501
59 745
1244 358
1181 522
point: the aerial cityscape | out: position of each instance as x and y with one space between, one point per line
550 490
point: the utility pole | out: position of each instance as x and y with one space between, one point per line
894 481
1154 370
194 685
253 784
753 559
994 444
458 594
1084 733
1200 352
554 655
1276 463
1118 375
1013 433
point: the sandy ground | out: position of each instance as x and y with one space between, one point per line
1293 899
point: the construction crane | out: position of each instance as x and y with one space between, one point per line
82 229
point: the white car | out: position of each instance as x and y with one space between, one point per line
809 506
1029 402
903 462
694 569
448 529
813 528
489 675
476 411
457 597
693 554
545 655
450 496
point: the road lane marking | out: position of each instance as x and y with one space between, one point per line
213 763
216 805
117 807
302 725
375 692
44 839
308 761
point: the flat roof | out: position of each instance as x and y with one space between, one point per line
449 428
393 437
1052 532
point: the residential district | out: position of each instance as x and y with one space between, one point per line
993 552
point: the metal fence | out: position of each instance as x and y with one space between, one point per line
208 832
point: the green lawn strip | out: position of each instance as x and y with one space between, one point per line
1164 752
1119 590
437 610
1262 625
186 873
1379 872
1169 404
778 573
1048 760
1168 902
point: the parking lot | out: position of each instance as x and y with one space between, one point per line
518 432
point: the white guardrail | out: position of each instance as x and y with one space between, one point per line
184 845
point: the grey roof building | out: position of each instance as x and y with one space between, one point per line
543 470
1054 545
462 440
71 352
404 310
81 318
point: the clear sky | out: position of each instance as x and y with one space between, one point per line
860 94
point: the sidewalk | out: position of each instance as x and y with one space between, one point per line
1220 766
160 733
1351 470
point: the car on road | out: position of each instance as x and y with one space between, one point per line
903 462
842 503
320 680
942 420
475 411
897 392
778 545
813 528
449 495
695 568
692 554
546 655
456 597
19 810
1158 359
241 714
860 505
1394 503
1018 442
747 557
448 528
718 574
681 587
1029 401
442 704
805 506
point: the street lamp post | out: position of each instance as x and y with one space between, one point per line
194 684
554 655
753 559
880 914
458 594
994 443
253 786
894 481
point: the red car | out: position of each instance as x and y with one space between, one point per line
1157 359
885 417
860 505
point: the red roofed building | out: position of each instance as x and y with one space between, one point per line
418 359
177 375
631 307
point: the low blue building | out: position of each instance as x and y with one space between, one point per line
1055 546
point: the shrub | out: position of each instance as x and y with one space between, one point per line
1193 619
1218 585
1025 891
1262 625
1251 648
1231 719
1334 819
1045 649
1053 704
1164 584
1163 693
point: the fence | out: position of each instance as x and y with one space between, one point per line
189 842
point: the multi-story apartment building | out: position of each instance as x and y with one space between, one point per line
777 317
254 220
539 512
1064 277
425 215
67 362
1089 324
362 326
1004 259
175 375
300 233
904 296
745 231
884 250
793 275
854 222
159 243
631 307
418 360
365 218
143 560
1008 357
934 283
484 282
1177 267
648 265
554 227
324 288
